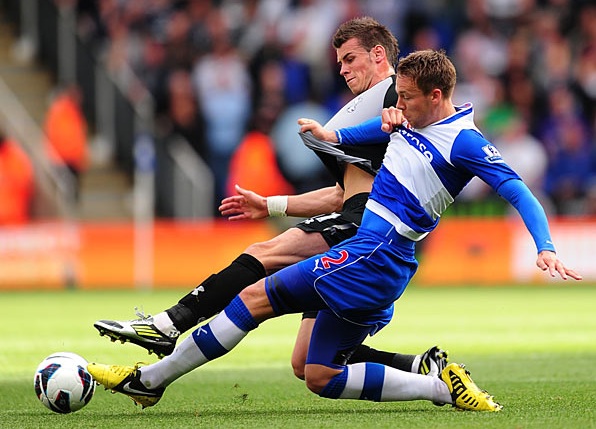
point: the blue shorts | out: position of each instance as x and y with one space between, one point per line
358 280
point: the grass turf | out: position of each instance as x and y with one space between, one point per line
532 347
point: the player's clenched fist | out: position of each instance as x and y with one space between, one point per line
391 118
317 130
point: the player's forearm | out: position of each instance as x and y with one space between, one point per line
532 213
368 132
320 201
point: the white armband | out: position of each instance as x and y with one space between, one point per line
277 205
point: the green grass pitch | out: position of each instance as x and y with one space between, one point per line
534 348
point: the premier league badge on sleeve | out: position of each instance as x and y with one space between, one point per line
493 155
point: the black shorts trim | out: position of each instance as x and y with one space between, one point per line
337 227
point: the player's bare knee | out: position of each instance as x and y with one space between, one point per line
316 384
256 301
261 251
298 368
317 377
252 294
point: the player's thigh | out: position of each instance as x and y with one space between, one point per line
289 247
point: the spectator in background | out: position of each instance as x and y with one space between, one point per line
524 153
571 168
254 164
585 68
223 90
184 116
16 183
480 56
65 128
299 164
562 110
551 64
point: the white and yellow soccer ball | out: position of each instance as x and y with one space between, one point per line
62 382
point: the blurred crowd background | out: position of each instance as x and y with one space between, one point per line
231 77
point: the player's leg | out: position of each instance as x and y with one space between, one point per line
258 260
285 292
300 350
159 333
210 341
430 362
328 374
334 229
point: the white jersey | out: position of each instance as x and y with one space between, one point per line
361 108
424 170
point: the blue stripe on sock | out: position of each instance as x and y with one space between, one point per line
207 343
373 382
335 386
240 316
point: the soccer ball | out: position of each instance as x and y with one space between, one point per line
62 382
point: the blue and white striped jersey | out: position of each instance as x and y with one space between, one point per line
424 170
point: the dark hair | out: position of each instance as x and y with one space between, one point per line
369 33
429 69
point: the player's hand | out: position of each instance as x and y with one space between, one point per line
391 118
548 261
317 130
246 205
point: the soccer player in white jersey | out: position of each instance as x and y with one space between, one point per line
366 53
430 159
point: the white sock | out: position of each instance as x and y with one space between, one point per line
185 357
206 343
163 322
407 386
392 384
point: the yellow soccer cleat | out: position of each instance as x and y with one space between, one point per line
465 393
125 380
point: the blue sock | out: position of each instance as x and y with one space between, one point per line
358 381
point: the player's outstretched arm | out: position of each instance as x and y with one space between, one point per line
534 217
548 261
250 205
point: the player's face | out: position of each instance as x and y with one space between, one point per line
357 66
416 107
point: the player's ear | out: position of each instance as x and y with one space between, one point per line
436 95
379 53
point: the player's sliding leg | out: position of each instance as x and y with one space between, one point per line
386 384
328 376
430 362
146 385
158 334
